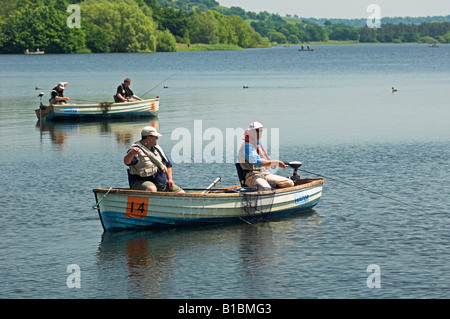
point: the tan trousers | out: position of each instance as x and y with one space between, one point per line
263 180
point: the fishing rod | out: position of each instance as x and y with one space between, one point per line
358 187
159 84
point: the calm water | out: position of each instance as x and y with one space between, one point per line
334 111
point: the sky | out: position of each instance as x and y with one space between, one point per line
345 9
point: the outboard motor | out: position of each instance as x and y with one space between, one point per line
41 106
295 165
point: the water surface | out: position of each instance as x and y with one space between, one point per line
333 109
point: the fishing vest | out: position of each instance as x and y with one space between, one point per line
245 164
54 94
125 92
148 162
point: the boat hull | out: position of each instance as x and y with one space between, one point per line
120 209
144 108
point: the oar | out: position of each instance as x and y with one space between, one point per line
212 185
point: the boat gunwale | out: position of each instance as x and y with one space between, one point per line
214 193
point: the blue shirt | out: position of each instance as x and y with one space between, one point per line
251 154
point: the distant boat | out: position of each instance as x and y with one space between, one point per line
34 53
104 110
306 49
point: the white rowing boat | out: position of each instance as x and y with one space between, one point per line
105 110
120 208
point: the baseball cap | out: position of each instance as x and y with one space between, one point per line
256 126
149 131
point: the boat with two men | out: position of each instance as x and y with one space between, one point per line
104 110
123 208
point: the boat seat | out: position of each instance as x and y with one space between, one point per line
241 174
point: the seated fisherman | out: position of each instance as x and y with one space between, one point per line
150 168
57 95
124 93
255 163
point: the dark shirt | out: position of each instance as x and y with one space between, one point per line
160 179
124 91
56 92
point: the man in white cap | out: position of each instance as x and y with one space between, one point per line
58 94
150 168
255 162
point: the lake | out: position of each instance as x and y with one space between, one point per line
332 109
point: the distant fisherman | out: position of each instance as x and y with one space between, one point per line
124 93
58 94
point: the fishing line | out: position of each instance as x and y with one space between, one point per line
365 189
159 84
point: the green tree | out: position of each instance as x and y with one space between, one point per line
343 32
316 33
277 37
97 39
204 28
129 25
367 34
173 20
44 27
166 41
445 38
293 39
226 29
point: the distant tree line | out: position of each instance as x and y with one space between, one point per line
363 22
115 26
158 25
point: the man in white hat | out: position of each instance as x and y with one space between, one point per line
255 162
58 94
150 168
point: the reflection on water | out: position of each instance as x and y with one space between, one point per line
156 260
124 131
